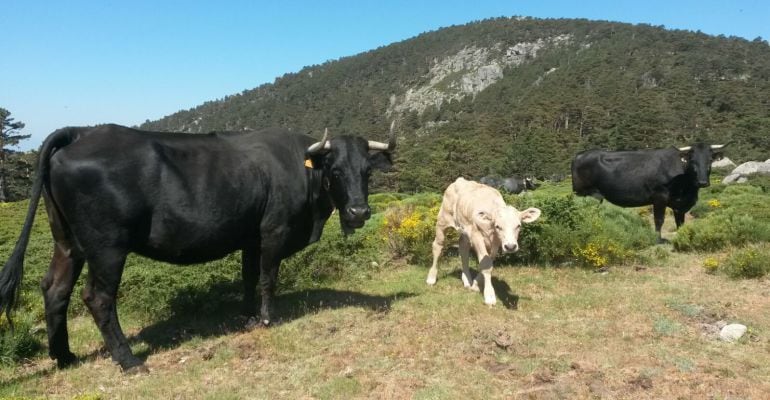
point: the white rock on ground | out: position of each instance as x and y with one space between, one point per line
723 163
747 168
732 332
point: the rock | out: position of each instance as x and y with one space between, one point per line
723 163
732 332
732 178
745 169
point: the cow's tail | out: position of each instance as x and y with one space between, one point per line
11 275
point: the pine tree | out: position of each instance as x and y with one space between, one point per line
9 136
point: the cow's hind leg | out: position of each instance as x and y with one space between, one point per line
57 289
104 273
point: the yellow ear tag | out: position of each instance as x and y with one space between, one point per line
308 163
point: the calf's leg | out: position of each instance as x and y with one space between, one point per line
465 248
438 246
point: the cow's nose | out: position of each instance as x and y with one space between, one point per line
510 247
360 211
703 183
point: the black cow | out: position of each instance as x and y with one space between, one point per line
663 177
181 198
512 184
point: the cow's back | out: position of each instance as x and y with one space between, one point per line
625 178
464 197
175 197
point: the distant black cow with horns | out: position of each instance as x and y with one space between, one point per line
181 198
664 178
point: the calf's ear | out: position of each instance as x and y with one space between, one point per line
381 160
529 215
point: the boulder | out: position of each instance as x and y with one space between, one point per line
746 169
732 332
723 163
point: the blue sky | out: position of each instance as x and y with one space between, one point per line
88 62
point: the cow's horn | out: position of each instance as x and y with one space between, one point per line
717 146
323 144
686 148
391 141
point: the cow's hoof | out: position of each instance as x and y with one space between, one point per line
474 288
67 361
251 323
137 370
490 301
431 281
265 322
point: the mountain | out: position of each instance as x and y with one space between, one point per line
518 95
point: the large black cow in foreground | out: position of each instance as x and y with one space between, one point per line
183 199
664 177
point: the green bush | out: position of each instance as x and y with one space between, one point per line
336 256
721 230
21 342
752 261
580 230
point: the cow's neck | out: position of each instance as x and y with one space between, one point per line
320 201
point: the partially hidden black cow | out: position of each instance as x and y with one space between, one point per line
181 198
663 178
511 184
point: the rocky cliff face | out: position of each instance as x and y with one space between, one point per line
467 73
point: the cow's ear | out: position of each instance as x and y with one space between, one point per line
381 160
315 161
529 215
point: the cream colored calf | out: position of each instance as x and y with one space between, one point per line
485 223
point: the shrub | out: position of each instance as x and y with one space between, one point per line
580 230
720 230
752 261
409 227
711 265
21 342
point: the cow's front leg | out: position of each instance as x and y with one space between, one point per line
250 273
679 218
268 278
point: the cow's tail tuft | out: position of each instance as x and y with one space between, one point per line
13 271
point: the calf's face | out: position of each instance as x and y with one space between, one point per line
505 224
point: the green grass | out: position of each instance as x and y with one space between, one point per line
358 321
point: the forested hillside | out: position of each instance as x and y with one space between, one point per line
519 95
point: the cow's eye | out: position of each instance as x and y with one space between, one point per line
498 227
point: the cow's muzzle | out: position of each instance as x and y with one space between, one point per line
354 217
702 184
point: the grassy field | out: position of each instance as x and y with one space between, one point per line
644 328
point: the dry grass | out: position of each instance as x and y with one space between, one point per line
556 333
